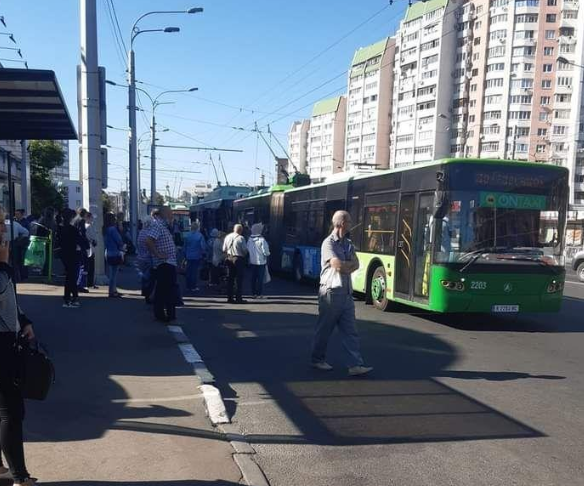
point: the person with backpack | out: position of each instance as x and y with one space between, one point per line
259 251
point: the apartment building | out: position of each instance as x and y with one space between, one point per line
369 107
423 83
297 146
326 140
61 173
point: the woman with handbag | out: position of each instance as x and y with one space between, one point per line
12 322
114 252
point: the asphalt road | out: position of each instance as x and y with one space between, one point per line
475 401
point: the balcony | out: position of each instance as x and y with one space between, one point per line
573 23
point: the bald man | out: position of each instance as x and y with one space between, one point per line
236 250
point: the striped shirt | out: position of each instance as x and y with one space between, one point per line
160 233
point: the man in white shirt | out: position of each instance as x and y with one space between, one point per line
236 249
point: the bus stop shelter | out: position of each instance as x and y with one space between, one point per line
32 107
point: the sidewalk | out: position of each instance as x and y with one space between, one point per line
126 408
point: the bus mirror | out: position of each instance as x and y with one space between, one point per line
440 204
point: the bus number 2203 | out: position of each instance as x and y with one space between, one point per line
478 285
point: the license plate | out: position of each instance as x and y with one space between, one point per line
505 308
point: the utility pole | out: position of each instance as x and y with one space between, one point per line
25 179
263 179
89 131
132 145
153 160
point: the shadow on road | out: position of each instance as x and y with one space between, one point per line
93 360
139 483
401 402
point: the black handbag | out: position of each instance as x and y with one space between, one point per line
36 372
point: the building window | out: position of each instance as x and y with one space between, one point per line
546 83
520 115
542 132
493 99
490 146
492 130
548 51
544 100
560 130
498 66
495 19
561 114
498 51
551 18
492 115
547 68
544 116
528 66
526 19
430 45
552 3
563 98
570 14
565 66
564 81
494 83
426 149
550 34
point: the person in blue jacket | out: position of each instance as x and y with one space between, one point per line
195 248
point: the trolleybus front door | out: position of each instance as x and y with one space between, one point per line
404 260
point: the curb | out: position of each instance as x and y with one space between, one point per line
217 413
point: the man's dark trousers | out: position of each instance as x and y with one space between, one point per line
236 269
165 295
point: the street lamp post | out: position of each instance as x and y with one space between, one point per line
155 104
132 142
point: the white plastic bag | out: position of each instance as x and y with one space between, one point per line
333 279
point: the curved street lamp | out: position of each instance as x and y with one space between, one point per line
132 142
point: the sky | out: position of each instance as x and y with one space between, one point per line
256 61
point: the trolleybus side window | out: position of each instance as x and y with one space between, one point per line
380 222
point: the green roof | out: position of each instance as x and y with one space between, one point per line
418 9
365 53
326 106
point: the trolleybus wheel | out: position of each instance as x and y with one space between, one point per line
379 289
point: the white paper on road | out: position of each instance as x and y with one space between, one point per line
215 405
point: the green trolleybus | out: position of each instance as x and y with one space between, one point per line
456 235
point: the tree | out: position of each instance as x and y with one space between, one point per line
108 206
45 155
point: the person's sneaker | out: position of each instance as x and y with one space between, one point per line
83 290
75 304
66 305
359 370
322 366
3 471
26 482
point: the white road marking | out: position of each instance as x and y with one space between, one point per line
190 353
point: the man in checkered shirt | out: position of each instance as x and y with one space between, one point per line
160 243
